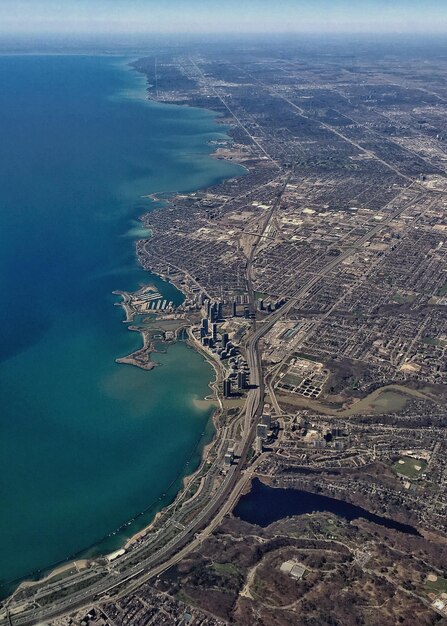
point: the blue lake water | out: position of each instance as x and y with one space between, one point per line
86 444
263 505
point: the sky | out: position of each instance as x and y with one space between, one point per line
222 16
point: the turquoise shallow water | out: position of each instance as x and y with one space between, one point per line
86 444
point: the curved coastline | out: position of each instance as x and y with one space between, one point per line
204 444
174 492
179 485
221 154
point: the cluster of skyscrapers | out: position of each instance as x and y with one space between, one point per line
264 430
268 307
218 341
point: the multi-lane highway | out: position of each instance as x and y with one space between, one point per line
127 574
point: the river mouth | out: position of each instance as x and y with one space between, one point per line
264 505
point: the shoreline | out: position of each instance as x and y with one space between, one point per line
141 358
227 152
188 478
81 560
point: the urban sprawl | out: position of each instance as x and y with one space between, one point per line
316 284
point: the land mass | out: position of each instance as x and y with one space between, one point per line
316 285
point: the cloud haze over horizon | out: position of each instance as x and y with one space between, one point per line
222 16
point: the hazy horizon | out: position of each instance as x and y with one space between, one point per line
120 17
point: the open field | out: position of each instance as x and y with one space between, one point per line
409 467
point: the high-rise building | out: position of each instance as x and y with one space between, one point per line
220 311
235 309
261 304
319 443
205 325
224 340
227 388
242 381
262 431
266 419
246 312
336 432
213 312
214 327
229 457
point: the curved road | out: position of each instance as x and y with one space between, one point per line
227 494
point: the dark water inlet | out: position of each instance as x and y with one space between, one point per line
264 505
